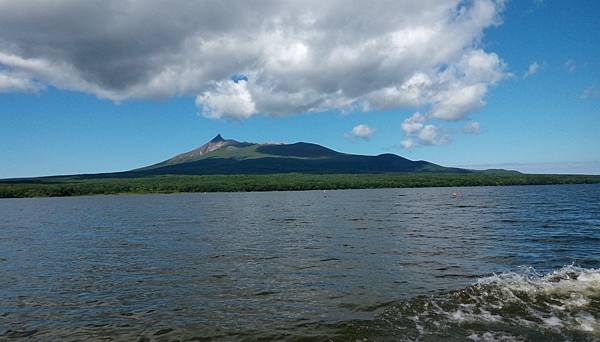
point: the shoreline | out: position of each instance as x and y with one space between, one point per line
69 186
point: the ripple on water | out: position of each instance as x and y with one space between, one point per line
381 264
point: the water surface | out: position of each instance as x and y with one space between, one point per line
514 263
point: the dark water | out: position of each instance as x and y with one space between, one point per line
494 263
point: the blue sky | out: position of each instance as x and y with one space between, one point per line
544 121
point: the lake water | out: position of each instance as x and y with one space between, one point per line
493 263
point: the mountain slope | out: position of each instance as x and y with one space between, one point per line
217 143
221 156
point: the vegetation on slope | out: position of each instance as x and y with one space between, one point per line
220 156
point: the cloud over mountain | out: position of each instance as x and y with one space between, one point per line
307 56
418 132
361 131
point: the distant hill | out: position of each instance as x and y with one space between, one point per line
230 165
226 156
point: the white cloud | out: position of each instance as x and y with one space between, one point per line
571 65
472 127
456 104
361 131
419 133
477 66
408 143
431 135
295 57
532 70
590 93
15 83
229 98
414 123
465 85
308 56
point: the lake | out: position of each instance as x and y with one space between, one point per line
490 263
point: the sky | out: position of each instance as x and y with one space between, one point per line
99 86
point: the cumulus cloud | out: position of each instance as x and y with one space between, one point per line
240 58
431 135
229 98
408 143
17 83
361 131
418 132
414 123
297 56
532 70
472 127
455 104
428 135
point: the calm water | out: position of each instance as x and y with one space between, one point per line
504 263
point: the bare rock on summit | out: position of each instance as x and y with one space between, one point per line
214 144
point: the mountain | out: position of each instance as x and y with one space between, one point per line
226 156
216 143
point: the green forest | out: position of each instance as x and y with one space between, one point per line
78 186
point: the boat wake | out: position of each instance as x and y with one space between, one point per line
512 306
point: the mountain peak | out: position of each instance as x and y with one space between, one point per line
214 144
218 138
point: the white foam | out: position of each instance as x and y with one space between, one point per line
553 322
493 337
567 280
557 300
587 322
458 315
562 303
576 300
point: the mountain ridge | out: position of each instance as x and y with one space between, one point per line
228 156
